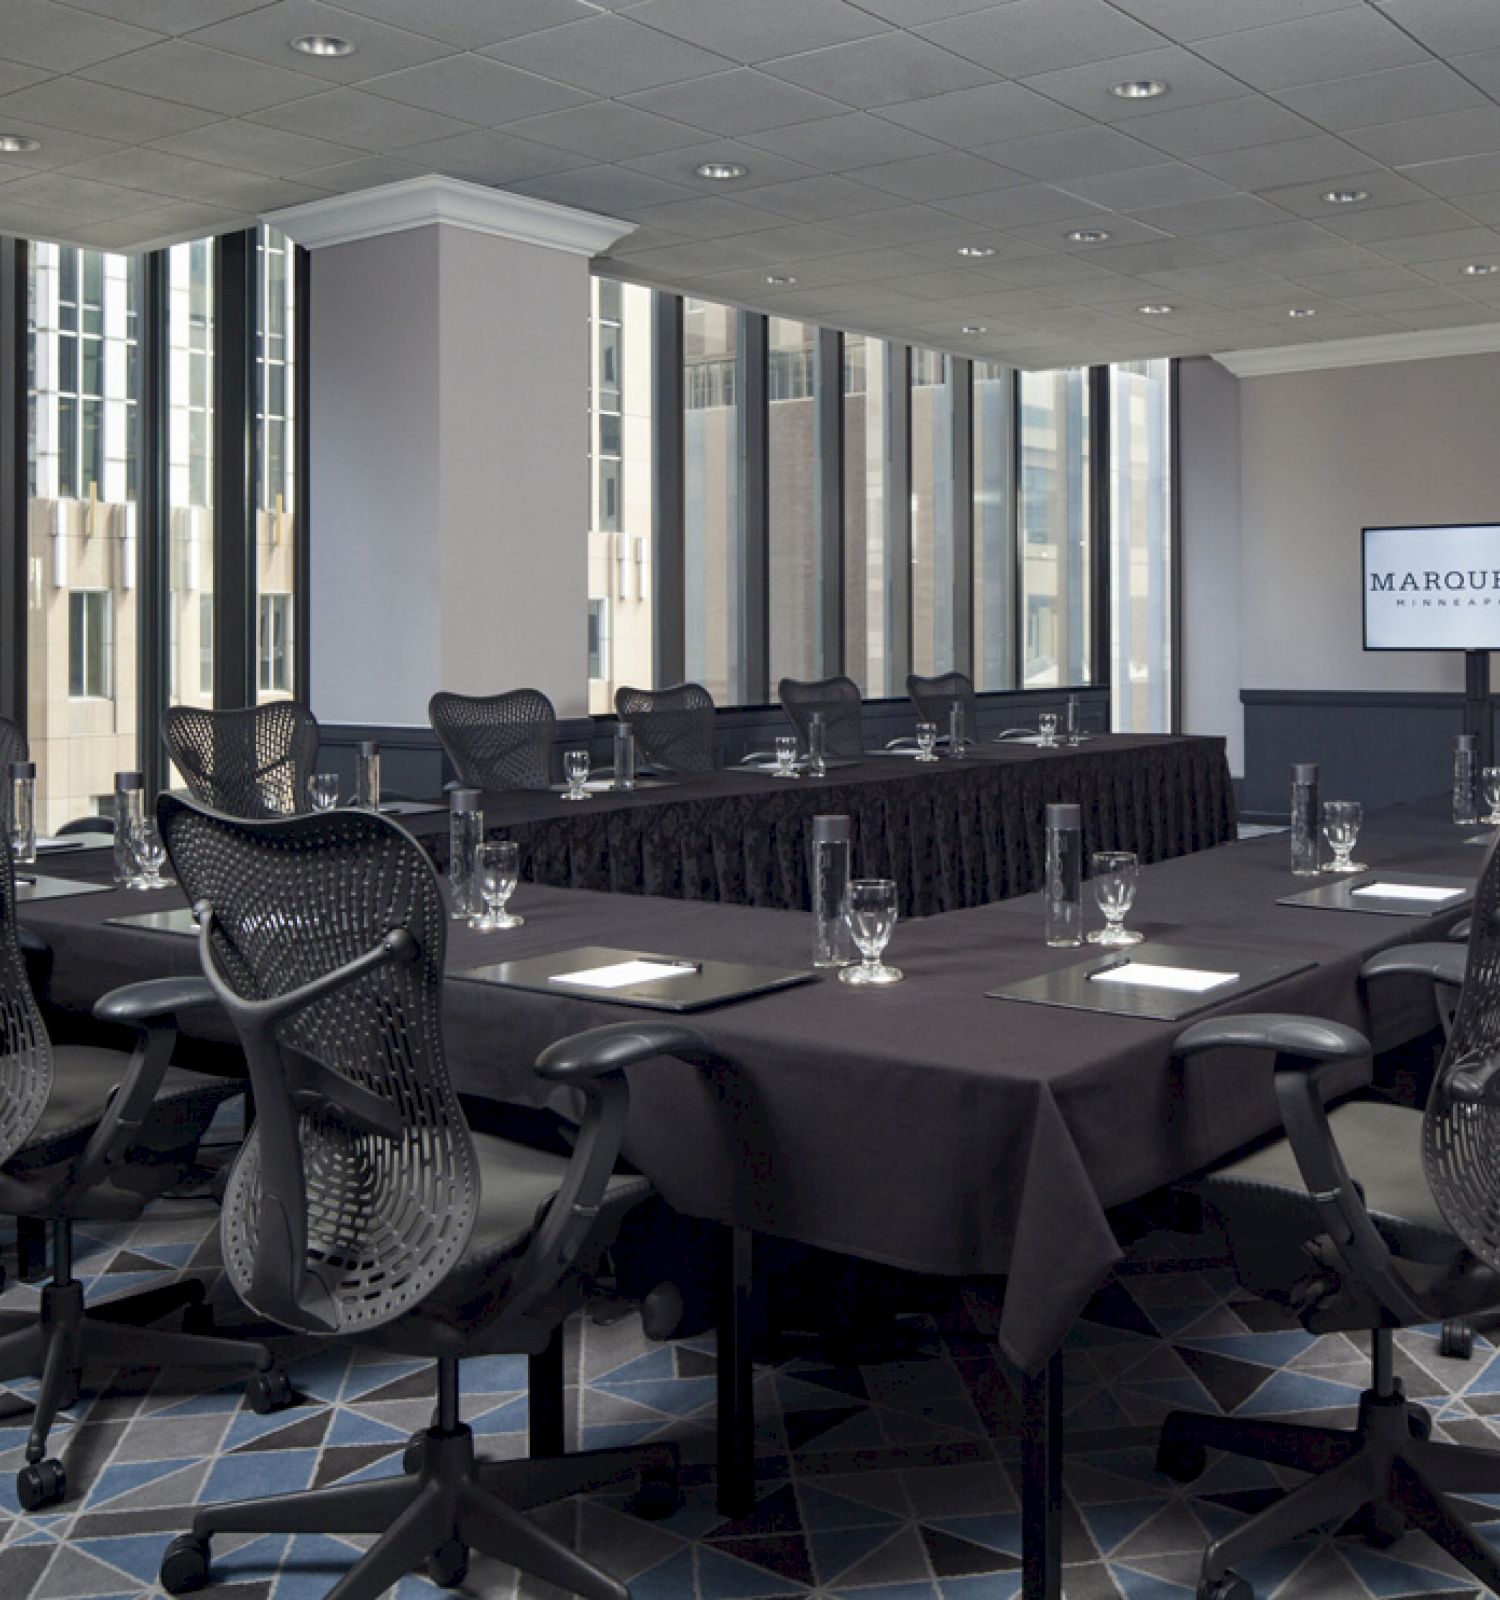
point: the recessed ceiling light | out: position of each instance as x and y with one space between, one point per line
1302 311
1155 311
779 280
1139 89
1346 197
17 144
975 327
1480 269
976 252
722 171
1087 236
323 44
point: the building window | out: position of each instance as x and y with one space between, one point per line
994 527
932 536
275 648
867 633
792 510
206 648
1140 535
1056 529
598 638
90 645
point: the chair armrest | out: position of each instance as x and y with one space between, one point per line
615 1046
1442 963
156 1000
1309 1040
1459 932
32 944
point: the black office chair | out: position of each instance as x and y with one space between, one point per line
934 697
839 702
253 762
496 741
90 1135
1366 1217
674 728
362 1206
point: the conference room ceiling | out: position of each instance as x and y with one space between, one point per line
879 137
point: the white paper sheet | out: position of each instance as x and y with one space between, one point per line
1427 893
621 974
1145 975
46 845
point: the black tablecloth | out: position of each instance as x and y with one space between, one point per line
953 834
922 1125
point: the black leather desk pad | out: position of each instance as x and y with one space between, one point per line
1339 895
35 886
178 920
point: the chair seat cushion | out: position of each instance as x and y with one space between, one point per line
1382 1148
83 1079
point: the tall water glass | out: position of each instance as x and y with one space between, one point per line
817 746
1305 819
1465 772
624 756
465 835
1490 778
1114 874
1062 888
367 776
576 771
323 791
1072 727
130 807
23 812
1341 821
498 870
958 733
830 882
926 741
870 910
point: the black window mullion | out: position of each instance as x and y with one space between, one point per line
1100 664
13 485
668 542
753 512
1018 546
898 520
153 522
828 502
234 469
302 456
961 382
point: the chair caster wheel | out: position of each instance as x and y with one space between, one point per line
448 1565
184 1568
41 1484
1181 1460
268 1391
415 1454
1457 1341
1229 1587
1381 1524
1419 1422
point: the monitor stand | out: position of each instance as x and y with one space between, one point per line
1478 709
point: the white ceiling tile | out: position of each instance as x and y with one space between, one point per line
759 30
885 70
270 151
1312 49
211 80
1121 230
351 116
697 255
14 76
1269 238
1235 124
1210 216
1031 36
1271 166
1396 222
485 156
266 34
736 102
81 199
58 148
901 225
1023 204
163 224
843 144
370 172
1168 183
1190 80
940 177
680 165
1450 27
1381 188
913 13
1390 96
1467 175
1362 280
471 24
607 189
1480 207
176 176
1429 298
99 111
1464 244
1306 263
968 118
474 89
794 242
1438 138
821 199
166 16
1139 259
1082 152
607 131
1190 20
608 55
1456 317
40 33
707 217
1482 68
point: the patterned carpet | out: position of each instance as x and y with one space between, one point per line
877 1480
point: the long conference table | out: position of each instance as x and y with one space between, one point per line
924 1125
952 833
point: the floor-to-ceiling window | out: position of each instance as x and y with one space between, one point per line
792 524
276 500
190 472
1056 529
932 508
866 585
1140 530
994 527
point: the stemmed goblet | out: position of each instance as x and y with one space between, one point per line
576 771
1115 874
1490 779
150 854
870 912
1341 820
1046 726
926 741
323 790
498 866
786 756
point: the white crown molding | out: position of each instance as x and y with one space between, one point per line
1480 339
423 202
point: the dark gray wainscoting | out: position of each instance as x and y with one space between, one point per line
1371 746
412 762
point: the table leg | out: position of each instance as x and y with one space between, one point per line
1041 1482
736 1442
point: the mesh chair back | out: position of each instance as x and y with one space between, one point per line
25 1051
1461 1130
934 697
249 763
388 1211
674 728
842 707
12 746
497 741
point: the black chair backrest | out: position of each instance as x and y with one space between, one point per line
496 741
25 1050
356 1190
674 728
934 697
842 708
1461 1129
253 762
12 746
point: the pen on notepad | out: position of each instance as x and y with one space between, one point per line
673 961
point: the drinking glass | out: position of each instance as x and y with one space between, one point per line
926 741
323 790
1490 777
1341 820
576 771
499 869
786 755
1114 875
1046 725
870 911
150 854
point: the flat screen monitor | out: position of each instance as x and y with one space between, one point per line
1432 588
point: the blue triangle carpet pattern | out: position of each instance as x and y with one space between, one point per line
881 1479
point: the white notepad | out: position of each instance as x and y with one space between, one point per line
1145 975
1428 893
621 974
